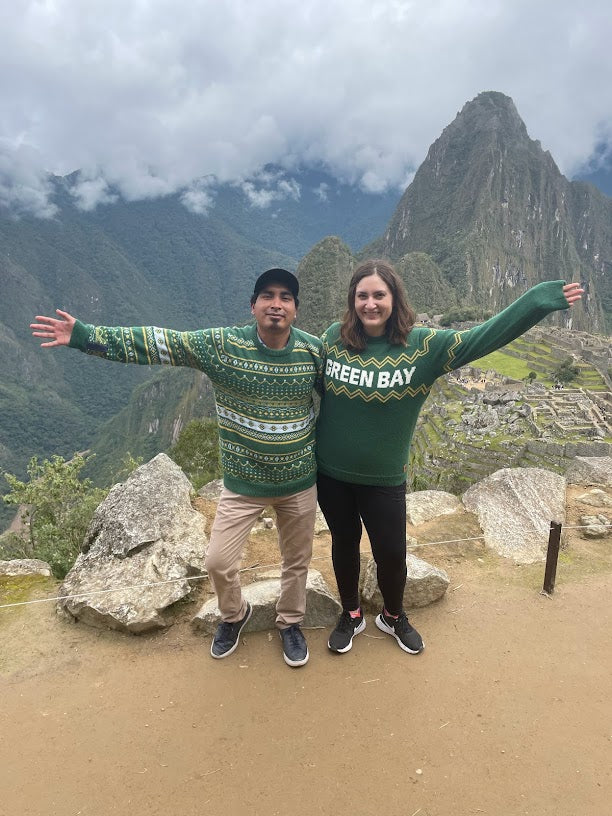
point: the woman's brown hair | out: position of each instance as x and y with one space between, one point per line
402 316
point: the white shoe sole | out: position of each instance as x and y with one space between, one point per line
384 627
295 663
348 648
288 661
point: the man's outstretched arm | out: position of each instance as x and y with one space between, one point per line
57 332
143 345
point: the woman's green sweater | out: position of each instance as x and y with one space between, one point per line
372 398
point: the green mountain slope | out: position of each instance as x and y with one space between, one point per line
324 274
149 262
487 215
493 211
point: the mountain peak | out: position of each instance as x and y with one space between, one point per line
490 111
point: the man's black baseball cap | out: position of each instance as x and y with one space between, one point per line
277 275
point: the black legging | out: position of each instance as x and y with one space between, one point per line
383 511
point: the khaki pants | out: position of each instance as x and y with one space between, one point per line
236 515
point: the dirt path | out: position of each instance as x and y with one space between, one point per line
508 711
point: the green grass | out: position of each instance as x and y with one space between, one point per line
508 366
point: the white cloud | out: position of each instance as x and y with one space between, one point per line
198 198
89 193
266 189
147 97
24 184
322 192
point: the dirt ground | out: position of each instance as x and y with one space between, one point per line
507 711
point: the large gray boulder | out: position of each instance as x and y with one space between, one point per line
143 534
25 566
425 505
424 584
590 470
514 507
322 609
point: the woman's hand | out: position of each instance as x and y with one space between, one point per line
573 293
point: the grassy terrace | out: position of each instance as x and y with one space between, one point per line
540 355
507 366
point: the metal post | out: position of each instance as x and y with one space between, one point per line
552 555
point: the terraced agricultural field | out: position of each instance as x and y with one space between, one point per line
521 356
450 454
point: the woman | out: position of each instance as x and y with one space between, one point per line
379 371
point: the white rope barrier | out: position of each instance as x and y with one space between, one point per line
139 586
586 526
448 541
244 569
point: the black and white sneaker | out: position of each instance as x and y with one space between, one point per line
227 636
408 638
295 650
341 639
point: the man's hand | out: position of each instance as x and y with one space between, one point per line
59 331
573 293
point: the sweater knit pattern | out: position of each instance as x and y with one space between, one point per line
372 398
264 396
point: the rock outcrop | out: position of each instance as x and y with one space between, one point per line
425 505
514 507
595 498
424 584
25 566
146 538
590 470
211 490
596 526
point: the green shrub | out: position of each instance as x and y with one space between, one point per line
197 452
461 314
59 506
13 546
566 371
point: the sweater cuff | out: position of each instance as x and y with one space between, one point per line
80 335
554 291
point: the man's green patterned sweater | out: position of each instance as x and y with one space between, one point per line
372 398
264 396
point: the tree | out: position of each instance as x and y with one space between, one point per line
58 506
197 451
462 314
566 371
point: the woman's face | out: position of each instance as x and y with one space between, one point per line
373 304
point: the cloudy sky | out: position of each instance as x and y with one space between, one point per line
157 96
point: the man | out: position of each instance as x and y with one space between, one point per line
263 376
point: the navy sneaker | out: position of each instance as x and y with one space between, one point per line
227 636
295 650
408 638
341 639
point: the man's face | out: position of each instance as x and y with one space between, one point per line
274 309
